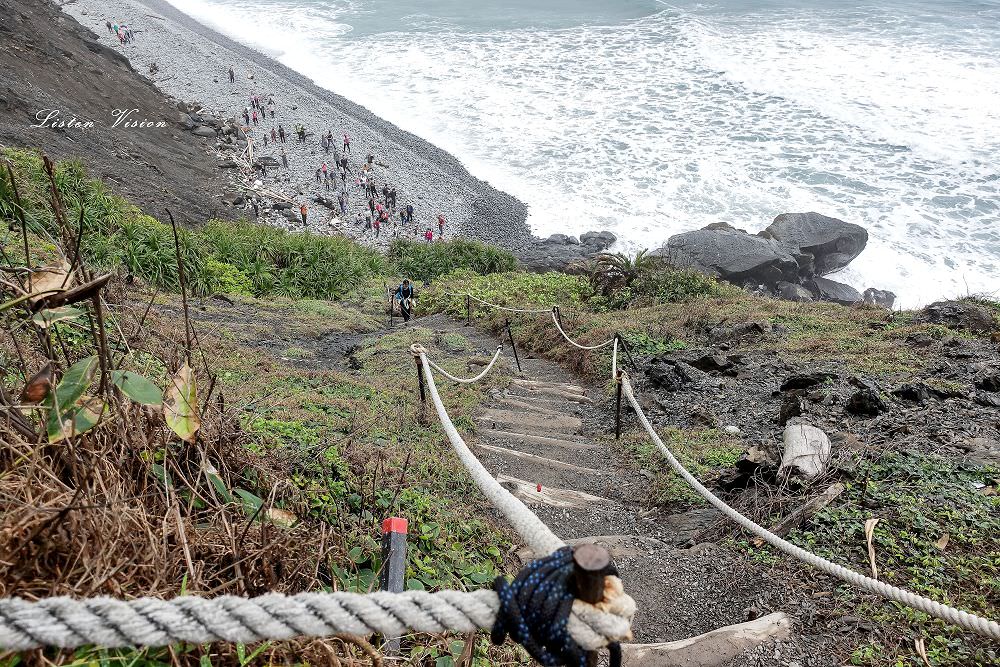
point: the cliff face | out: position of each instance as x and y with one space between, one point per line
55 76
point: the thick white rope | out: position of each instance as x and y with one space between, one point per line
592 626
107 622
963 619
469 380
499 307
555 320
531 529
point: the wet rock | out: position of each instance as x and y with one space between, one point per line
203 131
988 399
806 380
741 333
561 252
712 363
879 297
664 376
825 289
732 255
832 243
866 402
988 381
793 292
281 205
961 315
792 405
913 391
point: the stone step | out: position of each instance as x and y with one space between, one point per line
560 393
619 546
537 439
539 384
529 494
546 402
530 406
538 460
561 423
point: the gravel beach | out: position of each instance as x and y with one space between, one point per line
192 62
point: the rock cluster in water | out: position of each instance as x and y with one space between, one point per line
789 259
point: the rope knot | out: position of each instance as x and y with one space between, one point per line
539 611
417 349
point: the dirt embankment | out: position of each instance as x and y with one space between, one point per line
49 62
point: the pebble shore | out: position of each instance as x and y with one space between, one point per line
191 65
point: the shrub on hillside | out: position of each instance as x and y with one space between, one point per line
427 261
221 256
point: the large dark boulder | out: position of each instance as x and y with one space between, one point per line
560 252
732 255
793 292
830 290
963 315
879 297
832 243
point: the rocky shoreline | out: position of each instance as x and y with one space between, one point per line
189 62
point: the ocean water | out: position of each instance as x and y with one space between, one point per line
649 118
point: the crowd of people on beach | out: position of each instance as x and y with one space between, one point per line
124 33
383 214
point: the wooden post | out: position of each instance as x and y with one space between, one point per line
420 380
590 564
468 310
618 406
559 318
513 347
392 577
628 353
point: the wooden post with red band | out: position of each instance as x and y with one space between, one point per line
392 577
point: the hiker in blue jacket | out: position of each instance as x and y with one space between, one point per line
406 295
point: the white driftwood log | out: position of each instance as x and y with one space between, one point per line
710 649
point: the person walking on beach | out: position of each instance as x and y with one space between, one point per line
376 225
429 235
344 165
265 140
303 211
284 158
108 23
392 198
281 133
319 175
440 224
274 136
409 213
347 143
232 75
254 117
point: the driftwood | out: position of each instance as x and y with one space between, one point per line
713 648
805 512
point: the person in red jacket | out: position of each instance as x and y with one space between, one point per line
303 210
429 235
440 224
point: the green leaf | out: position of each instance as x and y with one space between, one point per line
415 585
77 419
46 318
75 381
180 404
251 503
138 388
218 484
357 555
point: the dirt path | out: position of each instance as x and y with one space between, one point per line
546 431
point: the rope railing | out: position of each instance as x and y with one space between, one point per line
963 619
472 379
555 321
948 613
